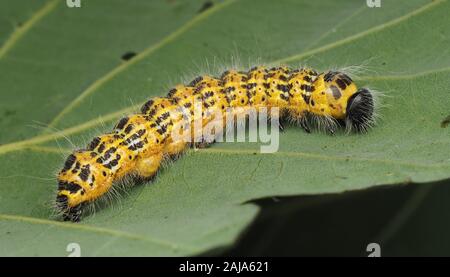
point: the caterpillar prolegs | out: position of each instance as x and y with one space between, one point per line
140 142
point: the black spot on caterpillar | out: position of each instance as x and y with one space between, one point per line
139 142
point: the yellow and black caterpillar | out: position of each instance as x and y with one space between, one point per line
140 142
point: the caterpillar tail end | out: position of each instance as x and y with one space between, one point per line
68 213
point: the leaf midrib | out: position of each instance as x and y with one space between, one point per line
98 230
19 32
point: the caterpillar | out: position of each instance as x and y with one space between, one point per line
140 142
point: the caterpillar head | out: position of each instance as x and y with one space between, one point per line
76 183
337 98
360 111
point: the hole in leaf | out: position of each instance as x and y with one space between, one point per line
128 56
206 5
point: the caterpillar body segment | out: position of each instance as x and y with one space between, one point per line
167 126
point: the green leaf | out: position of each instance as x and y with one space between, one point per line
62 67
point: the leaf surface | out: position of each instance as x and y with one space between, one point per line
65 70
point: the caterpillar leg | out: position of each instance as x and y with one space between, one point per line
303 123
175 149
147 167
281 127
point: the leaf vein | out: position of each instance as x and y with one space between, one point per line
361 34
20 32
148 51
93 229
